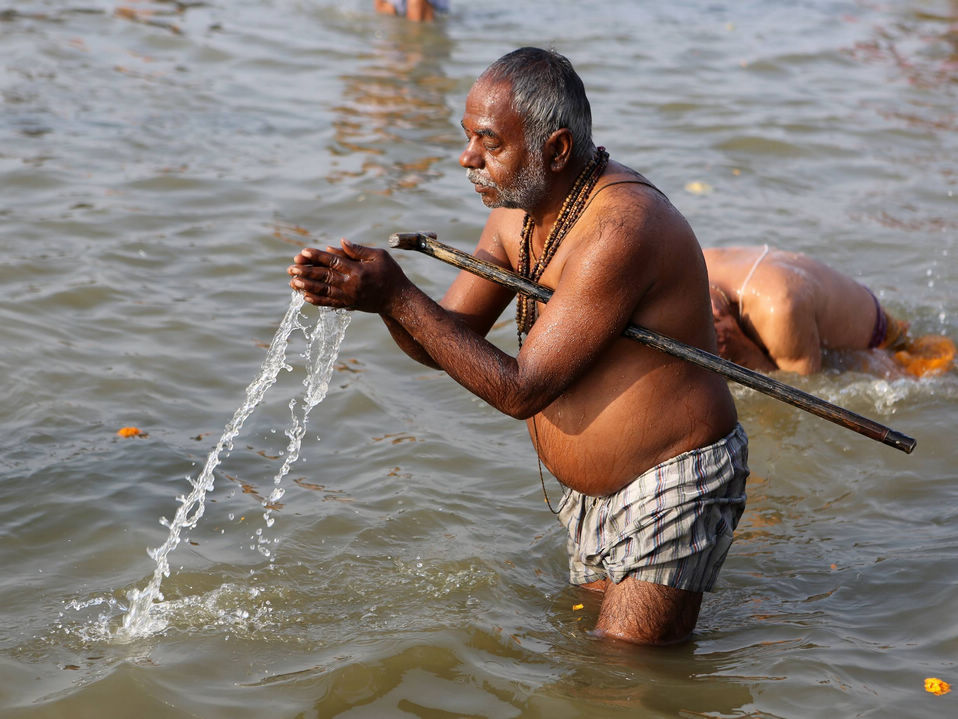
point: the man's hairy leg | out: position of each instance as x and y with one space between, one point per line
646 613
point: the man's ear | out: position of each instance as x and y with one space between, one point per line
558 150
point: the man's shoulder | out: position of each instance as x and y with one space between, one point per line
625 201
625 180
628 199
503 217
499 241
503 224
637 232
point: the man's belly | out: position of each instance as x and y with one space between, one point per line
597 446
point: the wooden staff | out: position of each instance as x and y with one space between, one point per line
426 243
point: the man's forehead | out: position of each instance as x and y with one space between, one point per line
489 103
491 90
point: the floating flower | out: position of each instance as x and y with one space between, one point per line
129 432
577 607
927 355
936 686
698 188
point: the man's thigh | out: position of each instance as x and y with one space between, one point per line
646 613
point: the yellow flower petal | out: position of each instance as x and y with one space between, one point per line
936 686
698 188
128 432
577 607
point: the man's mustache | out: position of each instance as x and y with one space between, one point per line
477 178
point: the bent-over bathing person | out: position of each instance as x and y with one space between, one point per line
775 309
648 447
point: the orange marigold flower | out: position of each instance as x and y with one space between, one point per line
936 686
128 432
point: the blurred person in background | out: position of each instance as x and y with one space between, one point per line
417 10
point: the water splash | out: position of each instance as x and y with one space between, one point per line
327 333
323 341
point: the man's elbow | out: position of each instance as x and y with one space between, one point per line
519 412
525 406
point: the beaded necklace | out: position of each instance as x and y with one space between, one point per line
572 208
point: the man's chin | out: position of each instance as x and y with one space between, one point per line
494 201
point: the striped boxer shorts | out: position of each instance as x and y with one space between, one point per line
672 525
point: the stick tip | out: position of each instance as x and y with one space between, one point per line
409 240
908 444
900 441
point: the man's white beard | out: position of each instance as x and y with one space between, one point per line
528 190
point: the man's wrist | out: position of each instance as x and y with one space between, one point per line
399 301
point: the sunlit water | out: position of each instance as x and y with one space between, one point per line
160 165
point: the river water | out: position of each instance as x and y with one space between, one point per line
160 164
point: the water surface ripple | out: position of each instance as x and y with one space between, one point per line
160 164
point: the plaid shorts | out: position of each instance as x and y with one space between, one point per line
672 525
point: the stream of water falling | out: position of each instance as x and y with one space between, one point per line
323 340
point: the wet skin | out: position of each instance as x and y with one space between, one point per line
793 307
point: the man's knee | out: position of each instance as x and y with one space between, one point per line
646 613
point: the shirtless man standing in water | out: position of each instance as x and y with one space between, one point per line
647 446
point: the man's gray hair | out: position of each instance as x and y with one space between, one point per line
548 95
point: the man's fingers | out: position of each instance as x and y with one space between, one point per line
305 256
357 252
330 277
350 249
325 268
333 256
310 256
325 274
323 295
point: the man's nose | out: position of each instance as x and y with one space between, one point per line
470 158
